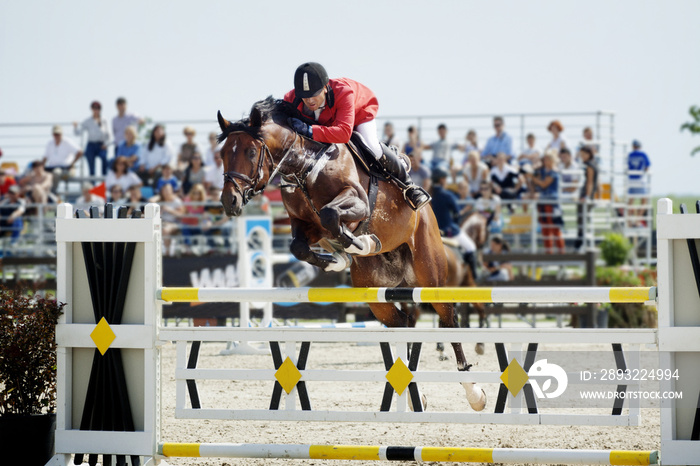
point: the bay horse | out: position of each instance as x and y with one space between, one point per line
325 194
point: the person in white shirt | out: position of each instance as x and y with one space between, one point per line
60 156
211 150
154 156
89 199
97 136
558 142
530 154
570 175
120 174
214 176
390 138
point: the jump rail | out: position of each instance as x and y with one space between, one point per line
414 295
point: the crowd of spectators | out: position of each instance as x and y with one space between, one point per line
136 173
490 177
130 164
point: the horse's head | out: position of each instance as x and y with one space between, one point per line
251 149
246 160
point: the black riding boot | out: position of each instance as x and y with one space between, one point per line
415 196
470 260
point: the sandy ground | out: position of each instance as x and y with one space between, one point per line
367 396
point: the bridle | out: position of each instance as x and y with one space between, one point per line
250 191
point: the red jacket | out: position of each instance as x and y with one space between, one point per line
348 104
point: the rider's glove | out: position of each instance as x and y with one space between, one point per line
299 126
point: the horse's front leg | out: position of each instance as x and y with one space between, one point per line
301 249
348 207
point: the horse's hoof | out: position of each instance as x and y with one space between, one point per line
475 396
423 400
479 348
338 266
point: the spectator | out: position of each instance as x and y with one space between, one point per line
587 193
413 143
60 156
12 206
214 146
97 135
116 195
171 210
546 181
194 174
135 199
122 121
530 154
440 149
472 144
129 148
88 198
447 212
506 181
637 164
488 205
188 149
588 141
120 174
475 172
194 219
499 142
168 177
420 174
390 138
570 174
156 155
36 186
6 180
498 270
558 142
214 177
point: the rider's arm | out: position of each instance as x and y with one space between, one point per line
341 129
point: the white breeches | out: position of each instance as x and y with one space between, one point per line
465 242
368 130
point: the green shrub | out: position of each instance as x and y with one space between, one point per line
627 315
614 249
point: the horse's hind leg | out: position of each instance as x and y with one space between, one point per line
430 268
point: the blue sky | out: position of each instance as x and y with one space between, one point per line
184 60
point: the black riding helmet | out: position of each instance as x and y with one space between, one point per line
309 79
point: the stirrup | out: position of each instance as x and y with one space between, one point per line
410 202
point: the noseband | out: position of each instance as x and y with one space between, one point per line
250 190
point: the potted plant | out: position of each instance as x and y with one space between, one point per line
27 375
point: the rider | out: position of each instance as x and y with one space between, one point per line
340 106
446 210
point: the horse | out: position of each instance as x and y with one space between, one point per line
325 193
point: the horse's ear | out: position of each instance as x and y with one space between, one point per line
223 122
256 117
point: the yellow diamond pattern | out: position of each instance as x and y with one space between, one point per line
514 377
103 336
399 376
288 375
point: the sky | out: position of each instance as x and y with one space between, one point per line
180 60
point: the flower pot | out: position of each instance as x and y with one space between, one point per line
29 438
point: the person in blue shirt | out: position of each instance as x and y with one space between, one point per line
546 181
499 142
637 164
446 210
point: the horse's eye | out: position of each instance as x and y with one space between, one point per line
250 152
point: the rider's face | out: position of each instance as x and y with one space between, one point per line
317 101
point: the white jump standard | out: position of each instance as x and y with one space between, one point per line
88 247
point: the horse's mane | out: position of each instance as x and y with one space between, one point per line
261 112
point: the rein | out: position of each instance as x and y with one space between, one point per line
250 191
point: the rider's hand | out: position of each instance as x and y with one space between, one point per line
299 126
